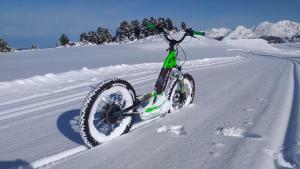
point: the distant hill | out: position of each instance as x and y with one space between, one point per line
279 32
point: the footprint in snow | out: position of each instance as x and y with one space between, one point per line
217 144
248 122
248 109
262 99
175 129
214 154
236 132
3 127
231 131
278 158
70 80
94 79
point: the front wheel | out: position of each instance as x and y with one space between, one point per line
181 93
100 118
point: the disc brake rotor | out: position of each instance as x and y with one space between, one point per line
109 113
177 101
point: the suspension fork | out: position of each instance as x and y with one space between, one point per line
181 86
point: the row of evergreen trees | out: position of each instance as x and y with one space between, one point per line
127 31
100 36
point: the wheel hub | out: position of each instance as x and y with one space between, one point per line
113 113
179 98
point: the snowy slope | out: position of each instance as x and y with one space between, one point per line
244 114
25 64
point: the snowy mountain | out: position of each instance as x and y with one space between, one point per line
279 32
218 33
281 29
241 32
263 28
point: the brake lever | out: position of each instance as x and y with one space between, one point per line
189 32
160 29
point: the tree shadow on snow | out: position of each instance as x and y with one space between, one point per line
68 124
17 164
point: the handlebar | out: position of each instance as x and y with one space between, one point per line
188 32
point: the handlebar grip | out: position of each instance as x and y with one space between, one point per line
198 33
151 26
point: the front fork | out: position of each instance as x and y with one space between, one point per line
181 86
177 75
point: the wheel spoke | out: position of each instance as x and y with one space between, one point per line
98 123
112 127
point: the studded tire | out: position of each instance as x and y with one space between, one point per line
87 133
188 81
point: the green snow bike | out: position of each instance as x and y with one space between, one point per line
110 107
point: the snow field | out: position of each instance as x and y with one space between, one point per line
43 98
241 114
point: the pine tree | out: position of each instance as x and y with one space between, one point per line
162 22
33 46
89 36
144 28
123 32
169 24
103 35
101 38
183 25
119 35
108 36
136 29
64 40
83 37
93 37
4 47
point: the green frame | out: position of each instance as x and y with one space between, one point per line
171 60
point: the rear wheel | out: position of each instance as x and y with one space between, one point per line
100 116
179 99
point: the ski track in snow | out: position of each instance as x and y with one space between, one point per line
291 151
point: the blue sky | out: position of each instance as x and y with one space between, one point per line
41 22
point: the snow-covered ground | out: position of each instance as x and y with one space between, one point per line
245 113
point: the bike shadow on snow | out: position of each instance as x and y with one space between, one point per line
68 124
16 164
